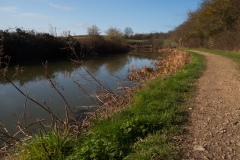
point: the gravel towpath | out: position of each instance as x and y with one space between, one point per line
214 126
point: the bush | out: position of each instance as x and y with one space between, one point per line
21 45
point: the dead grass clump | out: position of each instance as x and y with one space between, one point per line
174 60
111 103
140 74
164 66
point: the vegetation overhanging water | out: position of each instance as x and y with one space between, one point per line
110 70
169 70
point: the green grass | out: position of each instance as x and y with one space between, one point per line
232 55
48 146
136 41
144 130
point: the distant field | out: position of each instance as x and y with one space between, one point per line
128 40
135 41
80 36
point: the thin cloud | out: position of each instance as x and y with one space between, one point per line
66 8
34 15
8 9
82 25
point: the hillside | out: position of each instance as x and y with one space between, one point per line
214 25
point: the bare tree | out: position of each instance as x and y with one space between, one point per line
128 32
93 30
52 30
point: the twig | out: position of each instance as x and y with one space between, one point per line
44 147
25 107
6 78
61 96
85 92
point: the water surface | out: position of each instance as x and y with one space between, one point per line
110 70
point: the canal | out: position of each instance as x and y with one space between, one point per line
110 70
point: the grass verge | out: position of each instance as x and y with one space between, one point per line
143 130
232 55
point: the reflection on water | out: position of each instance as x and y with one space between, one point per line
63 74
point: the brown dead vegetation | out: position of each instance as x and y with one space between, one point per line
164 66
113 102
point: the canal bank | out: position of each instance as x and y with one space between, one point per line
148 124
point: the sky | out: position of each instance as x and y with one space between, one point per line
142 16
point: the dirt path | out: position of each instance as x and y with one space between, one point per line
214 129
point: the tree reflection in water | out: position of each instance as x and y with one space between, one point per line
63 74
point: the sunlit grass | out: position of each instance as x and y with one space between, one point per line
152 120
46 146
233 55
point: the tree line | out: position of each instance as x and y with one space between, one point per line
114 40
215 25
22 44
95 43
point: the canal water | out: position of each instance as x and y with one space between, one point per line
111 71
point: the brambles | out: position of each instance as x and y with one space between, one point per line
23 44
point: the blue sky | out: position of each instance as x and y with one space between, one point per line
143 16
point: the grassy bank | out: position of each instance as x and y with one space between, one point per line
232 55
144 130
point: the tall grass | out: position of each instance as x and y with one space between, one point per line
47 146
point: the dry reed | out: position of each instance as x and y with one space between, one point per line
113 102
164 66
